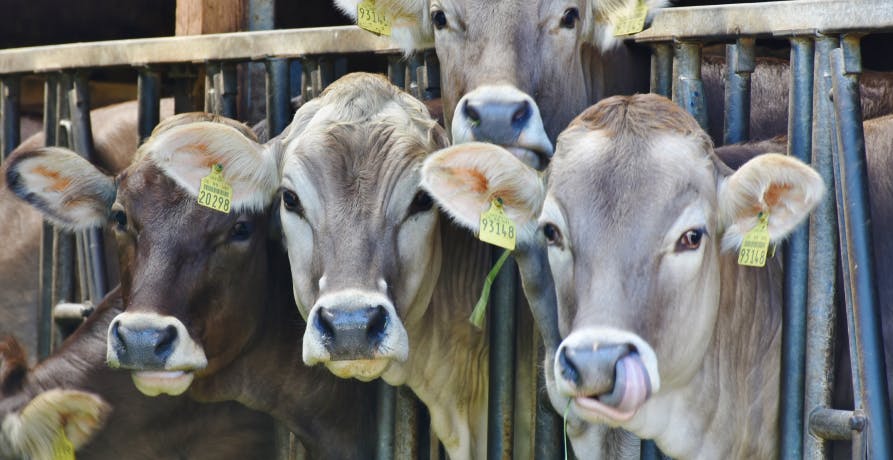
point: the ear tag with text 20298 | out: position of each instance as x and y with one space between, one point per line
62 447
629 21
214 192
755 245
369 18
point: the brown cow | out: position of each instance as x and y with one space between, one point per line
206 293
664 334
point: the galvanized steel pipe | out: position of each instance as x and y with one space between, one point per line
9 110
662 69
149 101
740 64
278 96
502 328
688 90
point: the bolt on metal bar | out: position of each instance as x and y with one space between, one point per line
689 88
45 302
796 259
869 365
502 328
278 96
386 407
9 111
149 101
822 280
835 425
740 63
662 69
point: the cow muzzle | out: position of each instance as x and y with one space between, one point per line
355 334
608 378
157 349
503 115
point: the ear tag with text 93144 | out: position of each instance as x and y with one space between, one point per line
214 192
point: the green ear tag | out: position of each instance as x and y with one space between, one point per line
755 246
477 315
214 192
496 228
62 447
369 18
629 21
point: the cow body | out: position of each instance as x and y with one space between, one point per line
206 298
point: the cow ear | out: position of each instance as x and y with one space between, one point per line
410 23
605 12
65 187
782 186
187 153
37 431
466 178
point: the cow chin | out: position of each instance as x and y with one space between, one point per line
360 369
154 383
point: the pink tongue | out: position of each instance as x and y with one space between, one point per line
633 379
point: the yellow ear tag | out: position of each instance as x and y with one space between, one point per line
755 246
629 21
214 192
62 447
496 228
369 18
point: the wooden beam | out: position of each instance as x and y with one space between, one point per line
197 17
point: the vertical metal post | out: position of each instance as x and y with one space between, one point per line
325 73
822 255
9 110
212 69
79 106
226 87
689 89
184 82
278 100
868 365
502 329
63 242
45 312
386 406
431 90
309 68
796 259
740 62
397 70
662 69
549 434
406 439
296 73
415 63
149 101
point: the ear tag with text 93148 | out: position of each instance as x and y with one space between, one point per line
755 246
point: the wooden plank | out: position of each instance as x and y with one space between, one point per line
198 17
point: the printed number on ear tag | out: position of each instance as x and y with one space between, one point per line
214 192
630 21
62 447
496 228
755 246
369 18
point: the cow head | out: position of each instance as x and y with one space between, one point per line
361 236
639 216
187 271
515 72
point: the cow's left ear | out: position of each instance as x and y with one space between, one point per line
466 178
187 153
782 186
606 12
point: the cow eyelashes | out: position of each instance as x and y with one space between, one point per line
569 18
552 234
690 240
421 202
291 202
439 19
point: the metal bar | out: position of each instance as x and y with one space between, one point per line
502 328
325 73
149 100
211 100
769 18
432 76
239 46
296 75
740 62
45 302
9 110
822 281
689 89
832 424
549 434
184 82
386 407
308 71
796 260
869 365
412 67
226 86
278 100
406 439
397 71
662 69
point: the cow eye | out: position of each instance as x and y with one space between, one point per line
241 231
292 203
552 234
421 202
119 218
690 240
439 19
569 18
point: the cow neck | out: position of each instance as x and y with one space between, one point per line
270 376
738 418
448 366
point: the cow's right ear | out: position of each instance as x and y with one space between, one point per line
605 12
65 187
410 23
466 178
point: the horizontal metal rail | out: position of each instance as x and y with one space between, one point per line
237 46
806 17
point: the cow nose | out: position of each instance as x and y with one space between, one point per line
350 334
591 370
143 348
498 122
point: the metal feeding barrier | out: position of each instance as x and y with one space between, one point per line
825 60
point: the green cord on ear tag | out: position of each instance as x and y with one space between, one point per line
62 447
477 316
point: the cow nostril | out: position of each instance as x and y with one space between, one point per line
568 369
116 335
325 323
378 321
522 114
472 114
166 340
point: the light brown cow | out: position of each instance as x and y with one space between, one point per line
664 334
